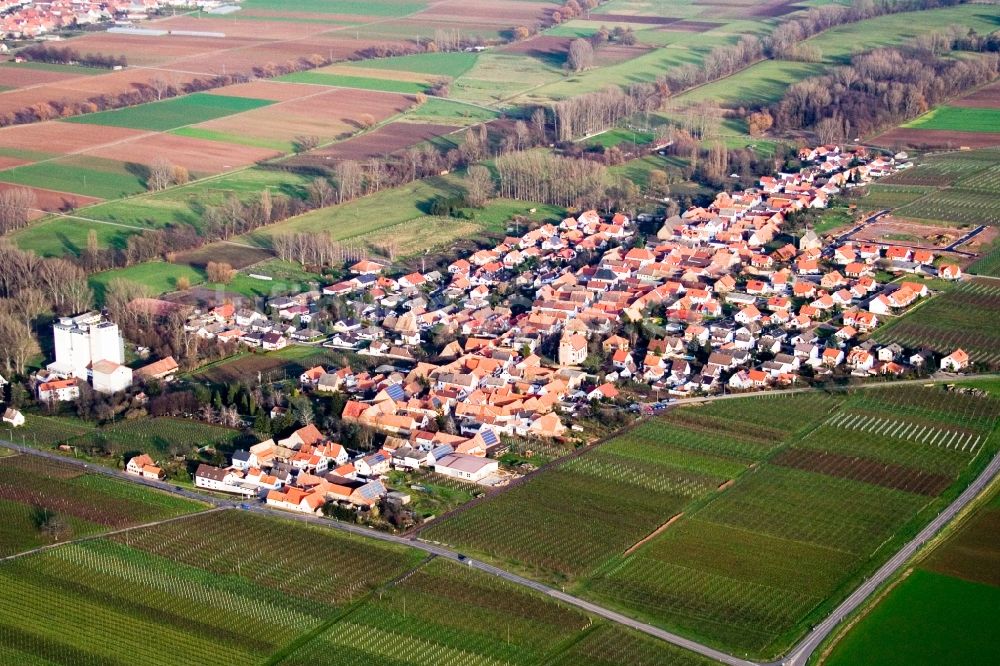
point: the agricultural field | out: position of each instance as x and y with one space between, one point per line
750 567
160 437
879 196
214 585
760 84
755 513
966 316
173 113
651 474
44 502
838 44
957 582
959 119
285 363
988 263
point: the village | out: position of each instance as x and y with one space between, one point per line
540 328
30 19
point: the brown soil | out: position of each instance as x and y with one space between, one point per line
56 137
236 256
329 115
924 235
382 141
987 97
875 472
926 138
196 155
540 47
652 535
52 200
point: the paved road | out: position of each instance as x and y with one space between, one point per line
801 653
798 656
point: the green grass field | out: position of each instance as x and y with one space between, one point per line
438 64
939 613
159 437
928 619
758 85
389 208
79 70
237 139
173 113
363 82
59 236
497 77
157 276
185 204
92 176
839 43
967 316
439 110
959 119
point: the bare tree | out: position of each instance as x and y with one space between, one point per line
479 185
220 272
320 193
16 205
349 180
581 55
161 175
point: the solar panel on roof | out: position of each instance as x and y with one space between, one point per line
490 437
396 392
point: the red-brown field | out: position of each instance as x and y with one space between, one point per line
925 138
13 76
237 256
987 97
505 12
154 50
198 156
276 91
51 200
327 115
257 30
540 46
876 472
382 141
616 53
630 18
65 138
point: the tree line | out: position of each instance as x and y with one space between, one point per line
33 288
67 55
877 90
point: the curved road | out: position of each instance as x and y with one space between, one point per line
798 656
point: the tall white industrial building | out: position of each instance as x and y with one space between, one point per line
91 347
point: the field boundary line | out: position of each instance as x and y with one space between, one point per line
103 535
655 533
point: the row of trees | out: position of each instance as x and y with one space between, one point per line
786 39
16 205
597 111
878 90
722 61
67 55
314 249
547 178
30 288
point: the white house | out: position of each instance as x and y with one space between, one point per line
60 390
144 466
955 361
220 480
13 417
465 467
